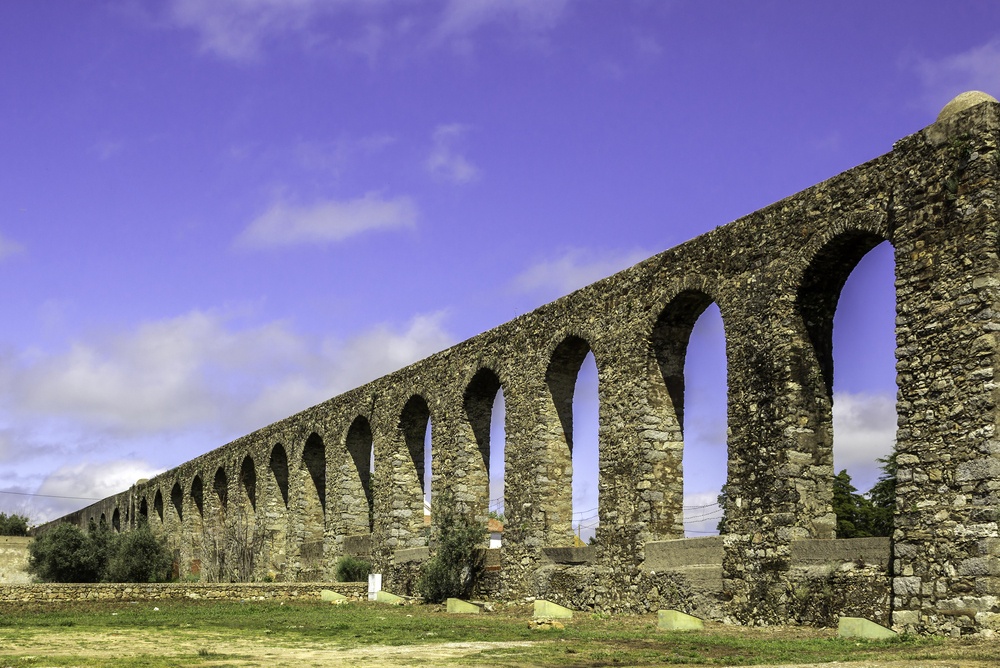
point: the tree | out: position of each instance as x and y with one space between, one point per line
13 524
62 554
853 511
139 556
883 497
458 559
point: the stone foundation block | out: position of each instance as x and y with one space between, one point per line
675 620
550 610
856 627
457 606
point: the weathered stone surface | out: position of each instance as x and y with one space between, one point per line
856 627
457 606
675 620
307 484
549 610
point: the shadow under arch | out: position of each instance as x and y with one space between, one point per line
311 509
561 377
479 400
359 444
275 500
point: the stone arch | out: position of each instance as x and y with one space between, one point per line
310 511
413 422
103 521
220 485
198 495
560 381
275 491
177 500
143 510
116 520
248 482
817 295
478 400
195 530
359 444
670 339
158 505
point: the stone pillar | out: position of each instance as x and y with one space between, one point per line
946 567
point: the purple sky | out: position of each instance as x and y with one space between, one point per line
214 214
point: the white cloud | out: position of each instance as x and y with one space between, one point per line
85 480
574 269
977 68
240 30
445 161
864 428
9 248
326 221
462 17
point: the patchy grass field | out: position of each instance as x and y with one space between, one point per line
366 634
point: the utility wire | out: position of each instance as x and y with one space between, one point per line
51 496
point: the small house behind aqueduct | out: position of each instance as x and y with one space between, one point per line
776 276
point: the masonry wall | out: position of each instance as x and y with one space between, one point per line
776 276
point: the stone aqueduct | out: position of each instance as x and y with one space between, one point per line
776 276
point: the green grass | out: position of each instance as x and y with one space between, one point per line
587 640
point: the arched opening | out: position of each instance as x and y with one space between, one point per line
116 521
486 412
415 423
196 529
221 487
143 510
248 481
198 495
575 459
276 508
177 501
689 345
360 446
158 505
312 508
847 304
103 521
278 465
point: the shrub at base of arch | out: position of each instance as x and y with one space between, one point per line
352 569
139 556
458 558
68 554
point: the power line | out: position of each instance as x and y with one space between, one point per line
52 496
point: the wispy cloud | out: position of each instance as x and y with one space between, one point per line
574 269
977 68
9 248
326 221
445 160
240 30
864 427
172 389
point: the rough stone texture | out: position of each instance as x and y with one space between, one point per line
257 591
776 276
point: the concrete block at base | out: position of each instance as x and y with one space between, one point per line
386 597
857 627
457 606
331 596
675 620
550 610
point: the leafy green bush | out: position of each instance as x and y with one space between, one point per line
352 569
13 524
66 553
457 561
63 554
139 556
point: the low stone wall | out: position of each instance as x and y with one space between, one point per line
174 591
14 560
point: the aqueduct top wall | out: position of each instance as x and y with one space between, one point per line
776 275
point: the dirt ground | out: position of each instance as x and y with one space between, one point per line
229 650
